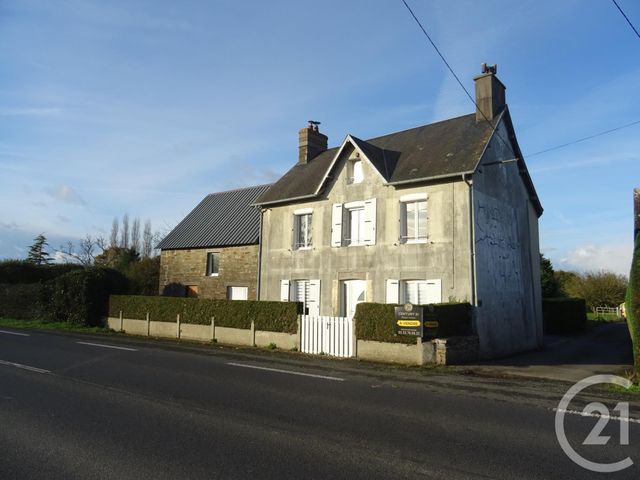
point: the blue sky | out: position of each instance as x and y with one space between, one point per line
144 107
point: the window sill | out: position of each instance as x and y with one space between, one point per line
303 248
212 275
414 241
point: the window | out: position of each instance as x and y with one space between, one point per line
417 292
305 291
302 231
237 293
213 264
355 226
414 221
354 171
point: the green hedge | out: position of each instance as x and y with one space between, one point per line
82 296
267 316
22 302
21 271
564 315
632 307
375 321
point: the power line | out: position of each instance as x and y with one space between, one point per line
626 18
456 76
583 139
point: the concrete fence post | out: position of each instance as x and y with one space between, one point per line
213 329
253 334
121 320
299 333
148 324
178 326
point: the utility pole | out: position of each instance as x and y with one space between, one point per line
636 212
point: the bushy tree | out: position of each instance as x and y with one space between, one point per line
547 278
599 289
37 253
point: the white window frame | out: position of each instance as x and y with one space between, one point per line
355 172
232 288
402 290
213 267
297 225
404 220
348 221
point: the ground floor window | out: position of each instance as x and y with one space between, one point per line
237 293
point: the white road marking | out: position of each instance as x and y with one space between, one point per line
596 415
290 372
15 333
24 367
108 346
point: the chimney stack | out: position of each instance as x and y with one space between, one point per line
490 98
312 143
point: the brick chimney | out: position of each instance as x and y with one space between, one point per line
312 143
490 96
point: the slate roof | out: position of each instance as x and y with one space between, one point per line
220 220
431 151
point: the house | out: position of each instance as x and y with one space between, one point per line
438 213
213 252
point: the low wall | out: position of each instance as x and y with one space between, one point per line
205 333
389 352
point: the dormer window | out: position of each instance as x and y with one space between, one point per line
354 170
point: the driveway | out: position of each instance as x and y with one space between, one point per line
603 349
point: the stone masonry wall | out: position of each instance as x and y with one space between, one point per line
238 268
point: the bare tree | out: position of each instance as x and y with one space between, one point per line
135 234
147 240
124 238
86 252
113 239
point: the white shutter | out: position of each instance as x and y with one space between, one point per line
336 225
434 291
392 293
313 300
370 222
284 290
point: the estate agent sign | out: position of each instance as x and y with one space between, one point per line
413 321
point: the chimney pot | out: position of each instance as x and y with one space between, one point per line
311 143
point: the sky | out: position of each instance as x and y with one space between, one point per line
144 107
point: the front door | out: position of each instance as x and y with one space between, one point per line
353 292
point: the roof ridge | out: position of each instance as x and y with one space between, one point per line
239 189
419 126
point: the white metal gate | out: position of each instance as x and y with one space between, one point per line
329 335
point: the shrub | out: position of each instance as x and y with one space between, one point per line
144 276
269 316
82 297
21 271
632 307
22 301
375 321
564 315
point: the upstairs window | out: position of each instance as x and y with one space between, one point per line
213 264
354 171
414 221
302 231
355 226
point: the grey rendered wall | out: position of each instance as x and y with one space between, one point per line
446 255
509 312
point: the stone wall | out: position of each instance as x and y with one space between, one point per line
238 268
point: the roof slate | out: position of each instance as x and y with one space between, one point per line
220 220
431 151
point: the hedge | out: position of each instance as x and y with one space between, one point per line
21 271
375 321
564 315
267 316
22 302
632 307
82 296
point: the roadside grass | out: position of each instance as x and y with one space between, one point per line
634 389
42 325
603 317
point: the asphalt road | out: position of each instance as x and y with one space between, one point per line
70 407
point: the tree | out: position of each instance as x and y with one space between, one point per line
37 253
599 289
135 235
124 238
113 239
547 278
117 258
85 253
144 276
147 240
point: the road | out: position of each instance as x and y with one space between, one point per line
87 407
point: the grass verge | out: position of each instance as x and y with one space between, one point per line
42 325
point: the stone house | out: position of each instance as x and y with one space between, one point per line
213 252
442 212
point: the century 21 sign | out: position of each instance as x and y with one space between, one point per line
413 321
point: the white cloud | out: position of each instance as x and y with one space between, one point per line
615 257
66 194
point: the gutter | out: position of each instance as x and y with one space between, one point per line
285 200
472 242
259 257
437 177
